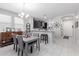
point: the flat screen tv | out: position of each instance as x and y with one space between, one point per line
36 24
45 26
39 24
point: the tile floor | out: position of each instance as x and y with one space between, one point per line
59 48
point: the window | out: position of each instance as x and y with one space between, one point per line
5 21
18 20
5 18
19 23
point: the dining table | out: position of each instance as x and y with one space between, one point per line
28 40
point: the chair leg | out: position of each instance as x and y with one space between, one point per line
18 51
31 49
22 53
45 41
14 47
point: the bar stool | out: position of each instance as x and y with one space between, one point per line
44 37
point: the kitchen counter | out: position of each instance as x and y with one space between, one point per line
49 32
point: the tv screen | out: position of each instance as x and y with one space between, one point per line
39 24
45 26
36 24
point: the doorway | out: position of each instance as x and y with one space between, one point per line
68 29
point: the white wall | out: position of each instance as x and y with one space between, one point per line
18 24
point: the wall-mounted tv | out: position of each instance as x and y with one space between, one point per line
36 24
45 26
39 24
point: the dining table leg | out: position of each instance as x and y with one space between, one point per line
39 44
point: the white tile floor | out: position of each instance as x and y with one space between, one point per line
59 48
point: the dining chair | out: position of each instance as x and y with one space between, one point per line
38 41
33 44
21 45
44 38
14 42
35 34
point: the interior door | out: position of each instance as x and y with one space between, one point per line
67 28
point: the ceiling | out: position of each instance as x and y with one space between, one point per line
40 9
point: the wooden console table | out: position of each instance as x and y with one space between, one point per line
6 38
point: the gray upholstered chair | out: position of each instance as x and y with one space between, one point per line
37 35
44 37
31 45
21 45
14 42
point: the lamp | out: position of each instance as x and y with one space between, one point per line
28 7
22 13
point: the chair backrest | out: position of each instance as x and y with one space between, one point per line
35 34
14 38
44 36
20 41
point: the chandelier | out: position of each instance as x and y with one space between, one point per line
23 14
